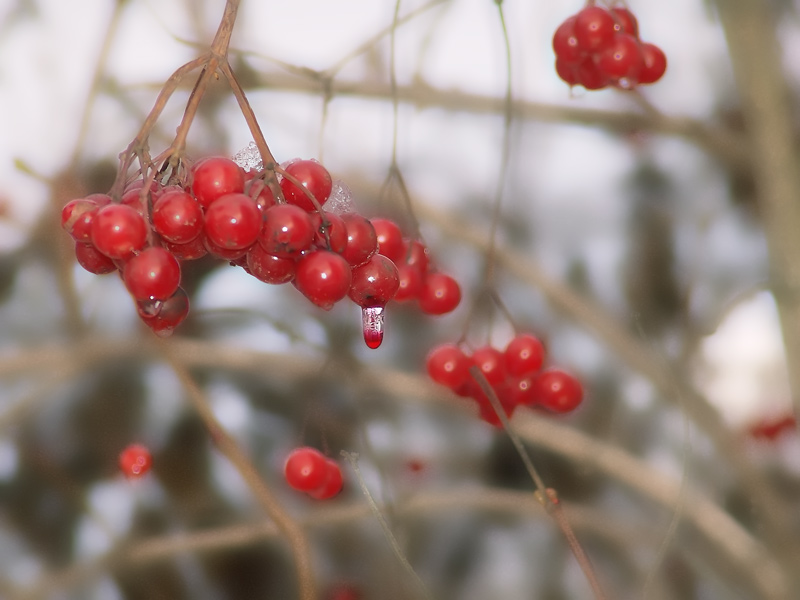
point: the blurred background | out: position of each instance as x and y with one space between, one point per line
631 241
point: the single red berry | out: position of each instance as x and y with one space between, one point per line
625 21
589 76
177 217
568 72
557 390
154 274
306 469
268 267
594 29
259 191
332 484
523 355
440 294
188 251
288 230
135 460
374 283
323 277
390 240
565 44
417 255
92 260
233 222
118 231
521 391
313 178
447 365
362 242
621 61
214 177
655 63
167 314
411 281
76 218
492 364
332 237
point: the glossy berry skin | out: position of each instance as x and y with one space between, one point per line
594 29
492 364
168 314
374 283
332 237
258 190
654 63
229 254
135 461
153 274
523 355
447 365
313 177
622 60
410 283
323 277
565 44
625 21
188 251
177 217
288 230
440 294
417 255
306 469
233 222
269 268
390 240
118 231
92 260
558 391
362 241
333 482
214 177
76 218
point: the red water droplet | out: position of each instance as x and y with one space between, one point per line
372 322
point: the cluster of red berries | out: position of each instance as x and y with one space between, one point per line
232 214
308 470
135 461
597 47
514 373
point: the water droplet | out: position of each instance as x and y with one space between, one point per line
372 321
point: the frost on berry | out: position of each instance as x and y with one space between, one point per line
341 199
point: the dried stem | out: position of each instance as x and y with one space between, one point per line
228 446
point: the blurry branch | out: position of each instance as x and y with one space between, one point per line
728 539
750 30
670 379
727 146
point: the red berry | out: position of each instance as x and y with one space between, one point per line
521 391
168 315
332 484
410 283
362 242
594 29
233 222
188 251
447 365
621 61
333 237
655 63
374 283
92 260
258 190
417 256
76 218
390 240
625 21
177 217
565 44
229 254
118 231
287 231
523 355
306 469
313 177
214 177
568 72
153 274
323 277
268 267
440 294
558 391
135 461
492 364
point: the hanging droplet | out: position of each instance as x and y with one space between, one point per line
372 321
